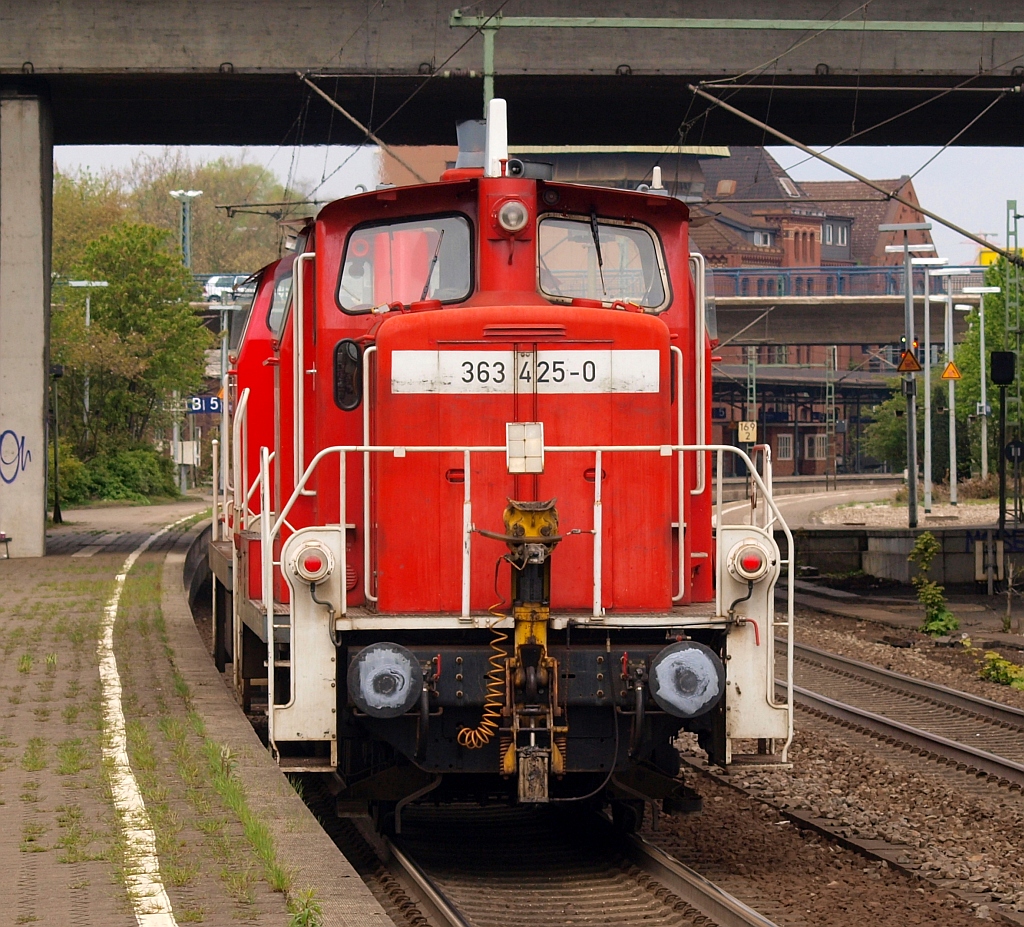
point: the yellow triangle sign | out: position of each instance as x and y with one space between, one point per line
908 364
952 372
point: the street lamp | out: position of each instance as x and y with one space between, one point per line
88 320
185 197
983 405
928 263
909 384
948 299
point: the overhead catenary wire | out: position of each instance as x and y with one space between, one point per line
889 194
384 146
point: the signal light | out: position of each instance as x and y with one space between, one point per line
313 563
749 561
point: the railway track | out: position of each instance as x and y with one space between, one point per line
974 733
475 867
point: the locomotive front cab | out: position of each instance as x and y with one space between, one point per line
501 577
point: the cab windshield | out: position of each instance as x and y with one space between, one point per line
624 263
406 261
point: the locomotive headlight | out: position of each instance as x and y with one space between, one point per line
749 561
313 562
687 679
513 216
384 680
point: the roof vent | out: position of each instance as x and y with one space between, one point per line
725 188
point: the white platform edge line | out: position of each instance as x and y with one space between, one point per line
146 889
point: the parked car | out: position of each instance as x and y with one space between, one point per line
224 287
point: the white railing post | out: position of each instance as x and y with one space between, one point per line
467 535
598 524
215 462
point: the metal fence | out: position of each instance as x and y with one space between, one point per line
834 281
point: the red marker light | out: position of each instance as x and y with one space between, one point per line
313 564
751 562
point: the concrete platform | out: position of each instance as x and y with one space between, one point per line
66 856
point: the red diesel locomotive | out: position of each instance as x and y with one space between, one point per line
467 542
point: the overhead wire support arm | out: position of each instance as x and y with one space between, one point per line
889 194
367 132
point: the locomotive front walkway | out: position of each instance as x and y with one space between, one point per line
199 825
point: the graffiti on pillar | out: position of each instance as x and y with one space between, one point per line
14 456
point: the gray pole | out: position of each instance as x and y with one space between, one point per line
927 396
85 391
909 387
952 399
983 405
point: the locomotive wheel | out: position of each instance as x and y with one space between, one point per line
627 815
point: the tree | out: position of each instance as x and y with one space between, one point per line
86 206
145 341
886 437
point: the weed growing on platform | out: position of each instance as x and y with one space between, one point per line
25 663
34 757
72 757
305 910
938 619
31 833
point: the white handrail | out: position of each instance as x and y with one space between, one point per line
342 518
700 336
270 527
467 534
368 352
680 475
215 463
267 534
598 526
299 364
239 454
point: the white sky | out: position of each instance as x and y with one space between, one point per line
968 186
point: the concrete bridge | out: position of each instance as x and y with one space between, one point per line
181 72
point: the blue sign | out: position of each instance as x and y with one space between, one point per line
196 405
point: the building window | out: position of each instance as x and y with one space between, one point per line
784 447
745 286
828 234
799 286
842 234
817 446
810 286
763 238
830 286
760 287
789 186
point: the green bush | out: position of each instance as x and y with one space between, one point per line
132 475
997 669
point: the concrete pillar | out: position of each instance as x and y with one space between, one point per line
26 204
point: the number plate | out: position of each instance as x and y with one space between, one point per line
610 371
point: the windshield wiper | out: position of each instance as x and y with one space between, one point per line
433 264
595 231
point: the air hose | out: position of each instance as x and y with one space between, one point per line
473 738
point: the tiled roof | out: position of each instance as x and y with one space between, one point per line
757 175
866 206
